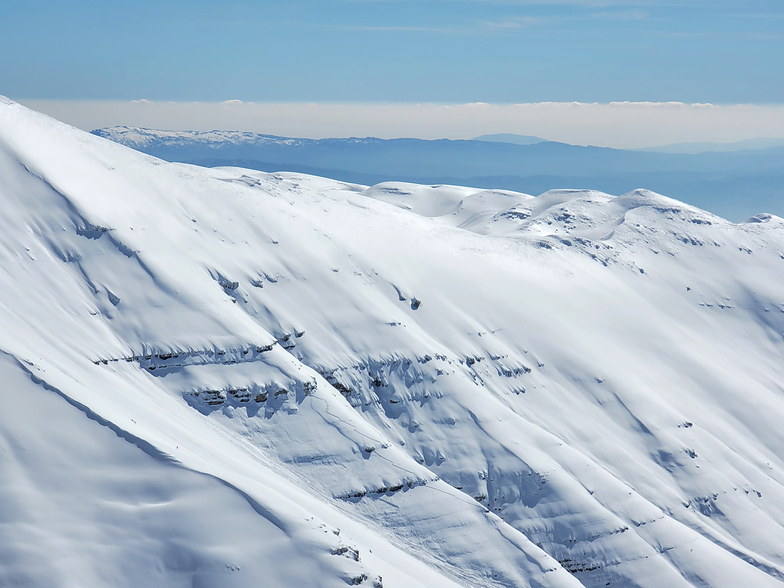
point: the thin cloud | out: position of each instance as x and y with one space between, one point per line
718 35
405 29
630 15
582 3
764 16
587 3
515 23
524 22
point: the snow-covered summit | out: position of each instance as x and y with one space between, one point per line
224 377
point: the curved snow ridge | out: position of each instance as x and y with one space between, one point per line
431 201
579 213
764 218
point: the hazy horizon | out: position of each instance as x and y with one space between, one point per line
623 125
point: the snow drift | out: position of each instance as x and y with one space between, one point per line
221 377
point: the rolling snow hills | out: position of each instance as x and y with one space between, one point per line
734 185
223 377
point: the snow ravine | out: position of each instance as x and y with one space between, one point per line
220 377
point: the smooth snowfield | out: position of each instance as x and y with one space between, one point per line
221 377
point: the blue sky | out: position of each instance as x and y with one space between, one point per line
442 51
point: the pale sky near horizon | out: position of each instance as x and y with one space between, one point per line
373 67
620 125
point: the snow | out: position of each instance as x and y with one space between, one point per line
226 377
139 137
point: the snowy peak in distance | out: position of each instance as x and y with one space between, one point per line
138 137
221 376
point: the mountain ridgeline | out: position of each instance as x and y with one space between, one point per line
734 185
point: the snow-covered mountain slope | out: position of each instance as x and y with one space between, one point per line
225 377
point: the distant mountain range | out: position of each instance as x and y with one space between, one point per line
510 138
735 185
692 148
749 144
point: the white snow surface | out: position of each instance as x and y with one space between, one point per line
221 377
139 137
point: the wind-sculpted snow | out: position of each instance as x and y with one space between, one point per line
226 377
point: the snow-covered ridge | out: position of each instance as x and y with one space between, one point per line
297 381
138 137
734 185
